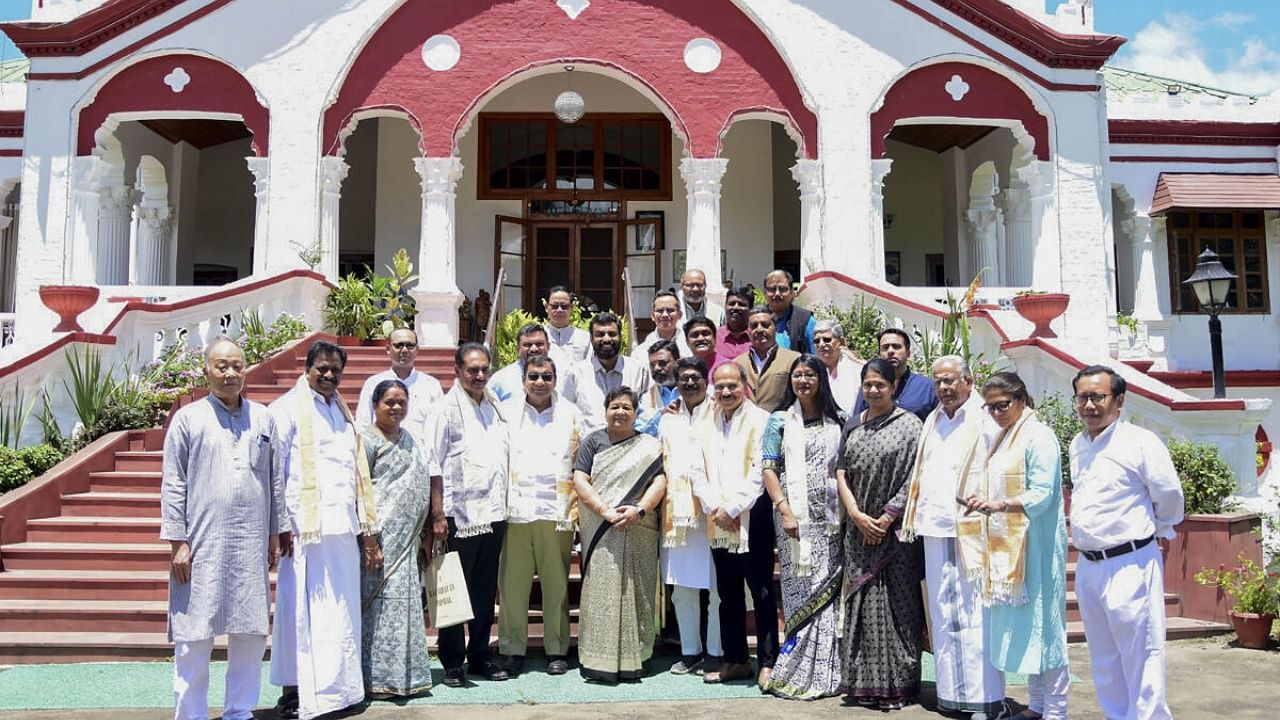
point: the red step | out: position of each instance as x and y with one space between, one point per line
141 461
125 481
90 529
85 584
86 556
113 504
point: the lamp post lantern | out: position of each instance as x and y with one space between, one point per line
1211 283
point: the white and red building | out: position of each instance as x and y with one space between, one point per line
163 146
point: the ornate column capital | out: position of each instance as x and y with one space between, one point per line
880 168
1137 228
333 170
117 202
438 175
154 217
703 175
808 176
260 167
88 172
982 219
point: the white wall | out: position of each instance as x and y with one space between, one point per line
358 205
398 222
913 194
746 203
224 210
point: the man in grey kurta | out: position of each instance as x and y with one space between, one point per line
221 509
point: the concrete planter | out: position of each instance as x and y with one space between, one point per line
1208 541
1253 630
1040 310
68 301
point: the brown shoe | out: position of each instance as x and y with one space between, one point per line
731 671
763 679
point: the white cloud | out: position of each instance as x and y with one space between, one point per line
1173 47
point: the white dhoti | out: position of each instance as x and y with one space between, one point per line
1047 693
689 570
966 679
1122 605
191 677
315 644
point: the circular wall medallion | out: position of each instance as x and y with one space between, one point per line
570 107
702 55
441 52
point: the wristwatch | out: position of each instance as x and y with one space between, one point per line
641 511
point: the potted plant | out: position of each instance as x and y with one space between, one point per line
1041 308
350 311
1256 595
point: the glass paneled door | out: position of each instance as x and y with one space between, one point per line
579 256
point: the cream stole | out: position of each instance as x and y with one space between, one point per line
309 494
683 463
564 423
967 435
483 457
796 466
733 468
993 547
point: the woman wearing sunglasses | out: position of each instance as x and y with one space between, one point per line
1013 543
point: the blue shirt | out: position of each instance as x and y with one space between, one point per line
783 330
648 418
915 394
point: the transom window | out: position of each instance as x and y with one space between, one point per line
605 155
1239 239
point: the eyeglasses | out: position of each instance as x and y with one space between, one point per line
665 311
404 345
822 340
692 380
545 377
1001 406
778 289
804 376
558 306
1095 398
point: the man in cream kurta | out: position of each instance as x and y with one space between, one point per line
966 680
587 383
222 509
424 390
686 550
568 345
544 431
469 506
315 645
1125 493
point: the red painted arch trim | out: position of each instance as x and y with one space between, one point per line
140 306
214 87
1047 45
991 97
47 350
1192 132
1174 405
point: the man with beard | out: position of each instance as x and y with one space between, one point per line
663 391
666 319
587 383
568 344
912 392
424 390
693 297
733 339
766 366
700 334
531 340
794 324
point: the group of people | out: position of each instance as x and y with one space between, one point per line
721 442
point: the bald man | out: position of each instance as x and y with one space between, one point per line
693 298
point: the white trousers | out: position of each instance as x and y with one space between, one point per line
1048 692
191 677
688 604
1122 605
966 679
315 644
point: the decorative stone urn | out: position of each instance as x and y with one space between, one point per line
68 301
1041 309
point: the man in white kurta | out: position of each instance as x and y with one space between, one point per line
587 383
315 644
424 390
569 345
222 507
668 325
544 431
508 383
694 301
966 680
842 370
1125 494
685 554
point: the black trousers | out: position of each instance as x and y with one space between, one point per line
479 557
756 569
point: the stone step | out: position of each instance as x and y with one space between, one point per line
86 556
91 529
146 481
144 461
136 585
114 504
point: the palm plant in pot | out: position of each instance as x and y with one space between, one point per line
1257 598
350 311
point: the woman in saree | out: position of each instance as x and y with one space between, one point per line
619 481
1013 544
801 441
395 660
884 609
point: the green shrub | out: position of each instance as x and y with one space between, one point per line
261 341
505 329
40 458
861 323
14 473
1207 480
1060 415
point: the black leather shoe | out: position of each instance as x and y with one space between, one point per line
558 666
287 706
490 670
453 677
514 665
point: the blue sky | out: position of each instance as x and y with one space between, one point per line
1232 44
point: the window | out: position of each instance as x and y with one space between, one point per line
1239 239
605 155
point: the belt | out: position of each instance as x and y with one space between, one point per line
1117 551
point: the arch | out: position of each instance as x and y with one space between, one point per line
177 84
388 70
985 182
958 92
152 183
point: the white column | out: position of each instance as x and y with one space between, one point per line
333 170
437 294
986 239
81 264
880 168
702 179
1146 284
155 233
808 176
260 167
115 218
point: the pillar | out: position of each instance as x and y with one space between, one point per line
808 176
880 168
986 238
81 265
259 166
333 170
155 234
115 220
702 181
437 294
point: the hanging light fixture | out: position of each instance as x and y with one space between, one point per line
570 107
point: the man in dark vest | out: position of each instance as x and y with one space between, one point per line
795 324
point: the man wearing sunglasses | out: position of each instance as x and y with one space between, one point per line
795 324
1125 494
424 390
568 344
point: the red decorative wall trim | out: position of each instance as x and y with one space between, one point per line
1192 132
991 96
10 152
79 337
500 38
1191 159
1204 379
12 123
86 32
1030 36
214 87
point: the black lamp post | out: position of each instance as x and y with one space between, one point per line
1211 282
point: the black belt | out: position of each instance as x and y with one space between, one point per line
1117 551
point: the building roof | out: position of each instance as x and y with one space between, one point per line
1212 190
1123 82
14 70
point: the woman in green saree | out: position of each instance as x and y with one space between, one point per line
619 480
